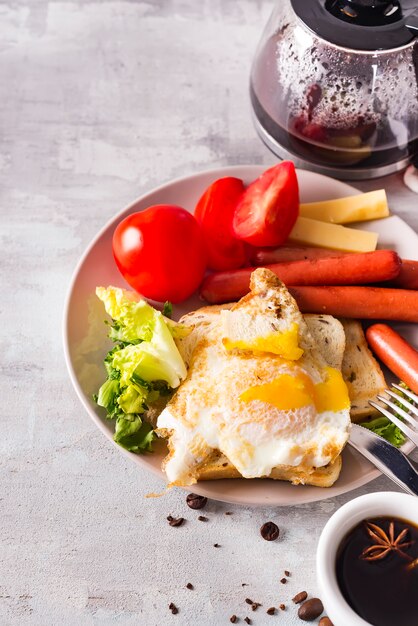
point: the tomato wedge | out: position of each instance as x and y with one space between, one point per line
269 207
215 212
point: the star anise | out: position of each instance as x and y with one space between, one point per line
384 543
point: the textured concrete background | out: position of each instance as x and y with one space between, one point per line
100 101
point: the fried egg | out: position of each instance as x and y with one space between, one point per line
258 390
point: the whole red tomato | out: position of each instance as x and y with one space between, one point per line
161 252
215 212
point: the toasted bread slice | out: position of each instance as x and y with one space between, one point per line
219 467
326 330
201 320
266 320
329 336
361 371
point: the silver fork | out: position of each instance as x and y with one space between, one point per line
388 459
410 415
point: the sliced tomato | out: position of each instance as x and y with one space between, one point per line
269 207
215 212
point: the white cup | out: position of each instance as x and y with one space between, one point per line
385 504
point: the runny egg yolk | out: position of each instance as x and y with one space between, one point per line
285 344
287 392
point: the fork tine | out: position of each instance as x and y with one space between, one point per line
407 392
397 410
405 404
401 425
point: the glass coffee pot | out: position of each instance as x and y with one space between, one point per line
334 85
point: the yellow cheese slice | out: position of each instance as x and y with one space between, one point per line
310 232
365 206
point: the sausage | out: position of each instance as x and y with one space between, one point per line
392 349
408 276
347 269
359 302
286 254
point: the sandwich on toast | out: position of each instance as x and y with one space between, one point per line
264 395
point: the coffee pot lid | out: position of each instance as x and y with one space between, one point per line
361 24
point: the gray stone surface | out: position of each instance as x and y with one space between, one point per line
100 102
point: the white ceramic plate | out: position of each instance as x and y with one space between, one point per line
86 344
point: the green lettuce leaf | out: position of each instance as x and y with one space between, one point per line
386 429
178 331
132 400
108 397
167 309
132 318
143 365
133 434
150 362
138 324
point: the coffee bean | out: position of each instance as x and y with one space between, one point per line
271 611
189 586
173 608
269 531
325 621
300 597
196 502
248 601
310 610
247 620
175 521
233 619
202 518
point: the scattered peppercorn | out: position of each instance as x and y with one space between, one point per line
173 608
287 573
283 581
271 611
247 620
233 619
282 607
216 545
189 586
